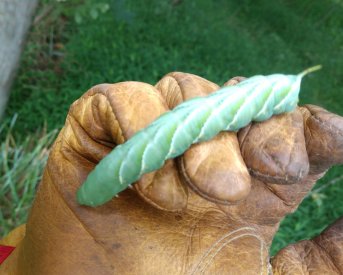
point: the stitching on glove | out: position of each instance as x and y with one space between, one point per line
214 249
266 177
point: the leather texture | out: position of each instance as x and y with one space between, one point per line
214 210
321 255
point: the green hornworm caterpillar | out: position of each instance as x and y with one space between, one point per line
199 119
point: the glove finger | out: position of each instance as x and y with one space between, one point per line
235 80
322 255
274 150
177 87
324 138
136 105
111 114
162 188
214 169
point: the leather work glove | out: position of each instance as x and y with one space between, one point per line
214 210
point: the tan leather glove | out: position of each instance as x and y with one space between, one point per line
214 210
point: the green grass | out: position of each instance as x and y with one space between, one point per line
83 43
21 167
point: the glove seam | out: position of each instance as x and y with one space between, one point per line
266 177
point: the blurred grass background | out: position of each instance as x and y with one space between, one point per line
74 45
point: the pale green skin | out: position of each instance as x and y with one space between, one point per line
199 119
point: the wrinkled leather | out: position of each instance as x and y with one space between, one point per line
213 210
321 255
